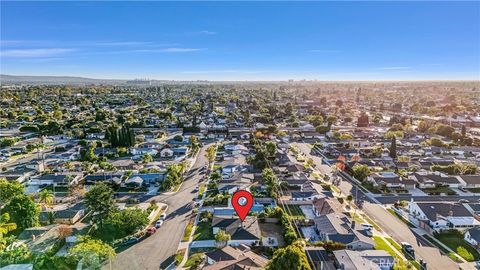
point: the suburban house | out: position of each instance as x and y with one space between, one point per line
60 179
319 258
166 152
306 193
140 151
246 232
472 236
109 178
240 257
324 206
337 228
471 181
70 215
390 180
433 179
357 260
441 216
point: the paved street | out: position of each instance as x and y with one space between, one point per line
398 230
149 253
402 233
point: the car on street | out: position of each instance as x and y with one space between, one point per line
408 249
132 241
159 223
151 230
163 216
463 201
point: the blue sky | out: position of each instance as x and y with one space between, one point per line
242 40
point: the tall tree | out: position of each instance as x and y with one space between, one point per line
393 147
92 252
46 197
5 224
99 200
23 211
210 154
8 190
291 257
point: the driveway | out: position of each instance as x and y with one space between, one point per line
151 252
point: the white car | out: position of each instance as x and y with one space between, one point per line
159 223
163 216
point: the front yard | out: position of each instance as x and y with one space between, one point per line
439 190
455 242
296 211
203 231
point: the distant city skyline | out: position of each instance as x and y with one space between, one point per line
242 40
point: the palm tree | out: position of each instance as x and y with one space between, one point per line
5 225
46 197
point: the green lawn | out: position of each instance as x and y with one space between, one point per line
201 190
371 188
296 211
381 244
188 231
456 242
203 231
401 218
438 190
474 190
194 260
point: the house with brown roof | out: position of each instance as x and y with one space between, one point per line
230 258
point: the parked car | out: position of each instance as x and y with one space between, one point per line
132 241
366 226
463 201
151 230
163 216
408 249
159 223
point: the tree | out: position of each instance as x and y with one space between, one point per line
147 158
174 176
393 148
464 131
5 225
322 129
271 148
291 257
92 252
194 143
210 154
8 190
23 211
271 182
46 197
221 238
361 172
349 198
99 200
127 221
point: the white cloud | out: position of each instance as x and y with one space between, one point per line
33 53
205 32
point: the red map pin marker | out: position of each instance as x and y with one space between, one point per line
242 202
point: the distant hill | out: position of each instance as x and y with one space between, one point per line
14 79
